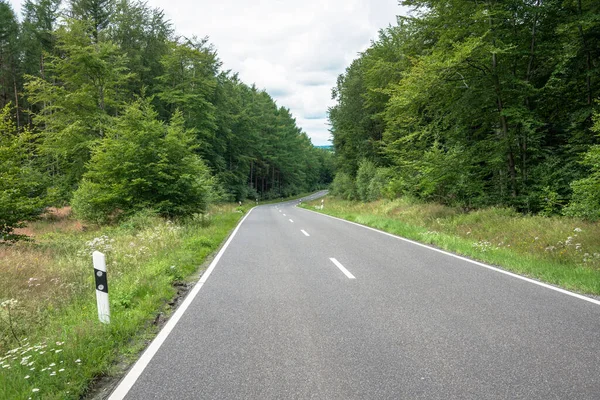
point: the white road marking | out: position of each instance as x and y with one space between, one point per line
341 267
542 284
305 233
291 220
279 210
134 373
284 215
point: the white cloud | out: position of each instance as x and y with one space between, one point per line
293 49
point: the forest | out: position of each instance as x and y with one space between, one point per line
476 103
104 107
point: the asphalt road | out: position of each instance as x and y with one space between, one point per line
278 319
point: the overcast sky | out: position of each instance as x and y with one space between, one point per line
295 49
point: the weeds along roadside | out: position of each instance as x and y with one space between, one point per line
51 343
558 250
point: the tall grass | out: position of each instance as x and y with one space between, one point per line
51 342
557 250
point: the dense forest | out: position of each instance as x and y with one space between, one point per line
103 106
476 103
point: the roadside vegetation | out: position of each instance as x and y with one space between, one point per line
561 251
52 345
475 126
476 104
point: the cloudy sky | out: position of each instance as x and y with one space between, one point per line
295 49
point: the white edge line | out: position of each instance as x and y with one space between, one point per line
542 284
305 233
134 373
291 220
341 267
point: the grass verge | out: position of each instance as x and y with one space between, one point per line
51 343
561 251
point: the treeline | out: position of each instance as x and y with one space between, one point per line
104 105
476 103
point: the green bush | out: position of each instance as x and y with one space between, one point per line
378 184
143 163
343 186
21 183
366 172
585 201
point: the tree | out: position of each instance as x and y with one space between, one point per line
21 183
143 163
9 56
78 104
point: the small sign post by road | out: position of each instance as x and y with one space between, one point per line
322 203
101 287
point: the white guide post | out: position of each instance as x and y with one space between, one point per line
101 287
322 202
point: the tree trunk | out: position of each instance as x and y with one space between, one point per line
16 102
503 122
251 167
588 57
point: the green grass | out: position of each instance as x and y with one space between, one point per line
50 336
561 251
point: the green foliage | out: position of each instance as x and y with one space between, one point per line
143 163
343 186
77 101
364 176
586 192
379 183
475 104
21 183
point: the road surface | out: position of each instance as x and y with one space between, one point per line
304 306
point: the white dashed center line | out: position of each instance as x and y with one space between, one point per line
305 233
341 267
291 220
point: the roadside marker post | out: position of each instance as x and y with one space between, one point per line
101 287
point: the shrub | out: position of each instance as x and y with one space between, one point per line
343 186
378 184
366 172
21 184
143 163
586 192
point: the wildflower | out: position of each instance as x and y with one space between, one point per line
58 351
26 376
53 373
78 361
35 390
9 303
61 370
52 365
536 238
577 230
